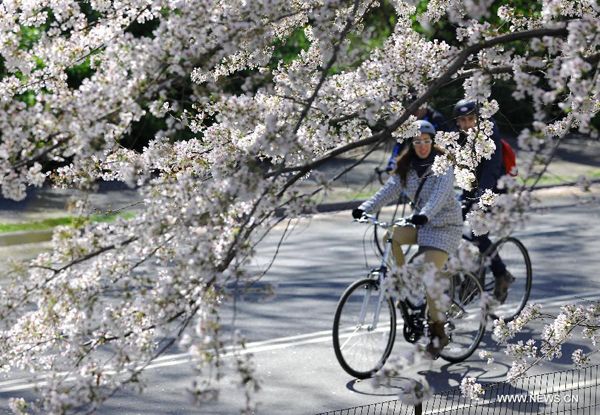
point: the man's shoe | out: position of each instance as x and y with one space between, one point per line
501 284
438 339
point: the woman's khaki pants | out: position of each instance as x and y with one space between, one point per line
407 235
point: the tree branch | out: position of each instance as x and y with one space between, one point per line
324 70
456 64
44 152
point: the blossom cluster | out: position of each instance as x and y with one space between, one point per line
471 389
573 319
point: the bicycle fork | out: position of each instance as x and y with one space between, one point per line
381 297
380 301
365 308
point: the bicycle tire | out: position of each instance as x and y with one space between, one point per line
516 258
353 339
466 318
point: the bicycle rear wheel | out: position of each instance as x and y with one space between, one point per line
466 318
515 257
362 338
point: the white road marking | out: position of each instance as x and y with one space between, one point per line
262 346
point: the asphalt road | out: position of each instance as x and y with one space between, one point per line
289 334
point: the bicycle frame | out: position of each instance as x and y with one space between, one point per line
382 275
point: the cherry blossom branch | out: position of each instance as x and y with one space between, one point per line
325 69
278 247
43 153
456 64
133 376
497 70
558 141
56 271
339 174
549 352
549 159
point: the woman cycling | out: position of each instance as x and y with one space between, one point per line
437 218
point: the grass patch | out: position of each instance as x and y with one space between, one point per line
553 179
51 223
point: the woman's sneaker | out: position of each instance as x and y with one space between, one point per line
501 284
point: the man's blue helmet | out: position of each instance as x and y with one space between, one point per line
426 127
465 107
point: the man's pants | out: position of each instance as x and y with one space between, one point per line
483 242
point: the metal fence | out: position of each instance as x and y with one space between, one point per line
567 392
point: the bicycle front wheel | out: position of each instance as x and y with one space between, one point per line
466 318
364 329
516 259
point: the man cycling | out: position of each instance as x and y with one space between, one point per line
487 173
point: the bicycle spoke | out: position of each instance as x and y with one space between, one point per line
465 319
343 346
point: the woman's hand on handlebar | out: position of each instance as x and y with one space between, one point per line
418 220
357 213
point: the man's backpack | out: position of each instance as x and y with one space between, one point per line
509 157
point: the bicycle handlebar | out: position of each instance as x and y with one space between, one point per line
366 218
380 173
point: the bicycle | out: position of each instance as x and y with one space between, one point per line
516 258
365 321
513 252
